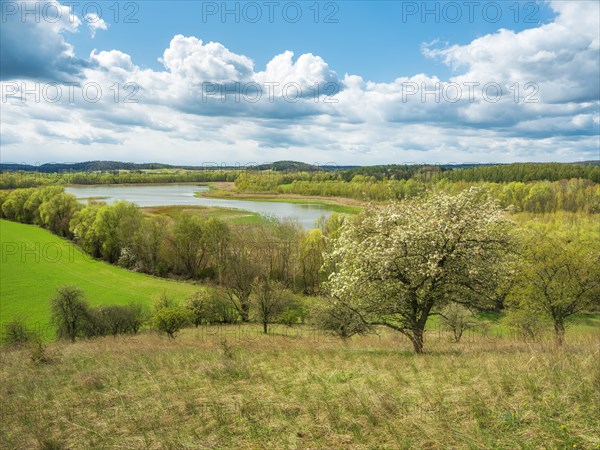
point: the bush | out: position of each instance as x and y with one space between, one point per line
16 332
457 319
138 316
294 313
526 325
170 320
198 306
339 321
115 320
164 301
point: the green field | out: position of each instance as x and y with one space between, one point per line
34 262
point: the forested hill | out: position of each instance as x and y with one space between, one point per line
498 173
88 166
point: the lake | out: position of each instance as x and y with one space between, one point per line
183 195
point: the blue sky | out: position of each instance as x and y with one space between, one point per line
376 82
380 40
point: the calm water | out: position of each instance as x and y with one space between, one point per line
178 194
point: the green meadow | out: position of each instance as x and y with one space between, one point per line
34 262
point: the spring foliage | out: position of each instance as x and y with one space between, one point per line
397 264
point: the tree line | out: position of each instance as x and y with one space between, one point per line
576 194
286 172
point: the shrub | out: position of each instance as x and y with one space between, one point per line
457 319
198 306
339 321
164 301
115 320
294 313
170 320
16 332
527 325
138 316
39 353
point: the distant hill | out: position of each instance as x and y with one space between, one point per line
89 166
279 166
108 166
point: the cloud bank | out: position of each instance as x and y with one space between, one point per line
514 96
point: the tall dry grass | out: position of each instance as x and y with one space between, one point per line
232 387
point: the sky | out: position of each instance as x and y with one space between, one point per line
348 82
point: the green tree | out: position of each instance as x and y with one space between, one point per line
271 299
560 277
198 243
14 208
149 244
115 228
312 247
56 213
33 203
82 228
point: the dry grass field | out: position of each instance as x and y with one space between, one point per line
232 387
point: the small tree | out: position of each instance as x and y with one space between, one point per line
241 269
338 321
69 312
171 320
457 319
198 306
17 333
560 277
271 299
525 324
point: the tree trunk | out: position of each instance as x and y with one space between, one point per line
245 313
265 327
417 339
559 332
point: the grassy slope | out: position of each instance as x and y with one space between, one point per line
302 390
34 263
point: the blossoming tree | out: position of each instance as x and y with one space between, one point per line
398 264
